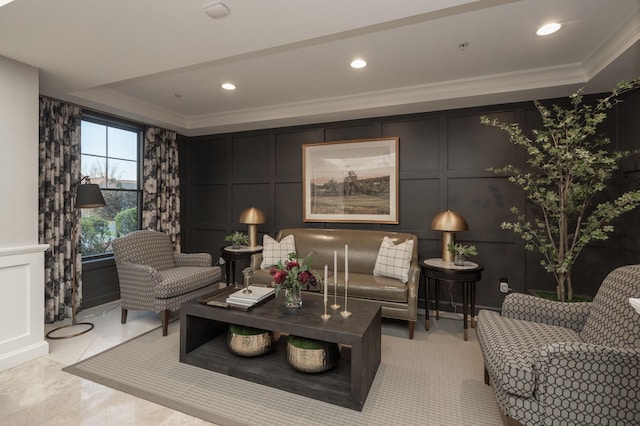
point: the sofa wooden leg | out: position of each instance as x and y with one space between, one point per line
164 318
487 379
412 327
123 316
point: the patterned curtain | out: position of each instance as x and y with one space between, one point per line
161 190
59 169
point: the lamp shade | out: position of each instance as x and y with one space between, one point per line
449 221
88 195
252 216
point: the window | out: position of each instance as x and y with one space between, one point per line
110 152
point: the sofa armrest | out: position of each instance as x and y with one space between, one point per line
412 289
192 259
136 277
532 308
582 383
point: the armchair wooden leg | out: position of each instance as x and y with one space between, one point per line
164 318
412 327
487 379
123 316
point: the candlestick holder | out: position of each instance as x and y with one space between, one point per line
335 305
325 316
247 273
345 313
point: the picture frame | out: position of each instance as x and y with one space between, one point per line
351 181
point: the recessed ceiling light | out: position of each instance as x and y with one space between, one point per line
216 10
228 86
358 63
549 28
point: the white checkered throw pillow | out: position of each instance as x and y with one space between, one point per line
273 251
393 260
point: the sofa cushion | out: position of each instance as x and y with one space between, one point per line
185 279
367 286
612 321
274 251
393 260
511 346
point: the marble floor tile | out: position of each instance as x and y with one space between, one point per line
40 393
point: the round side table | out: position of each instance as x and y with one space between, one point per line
467 275
231 255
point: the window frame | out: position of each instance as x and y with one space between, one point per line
106 120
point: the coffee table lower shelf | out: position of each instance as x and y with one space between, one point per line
272 369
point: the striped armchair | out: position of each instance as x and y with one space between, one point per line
553 363
154 277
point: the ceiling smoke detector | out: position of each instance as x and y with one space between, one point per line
216 10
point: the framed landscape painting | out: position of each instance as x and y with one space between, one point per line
351 181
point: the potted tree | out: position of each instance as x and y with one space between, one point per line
568 164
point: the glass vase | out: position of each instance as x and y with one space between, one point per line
293 297
459 260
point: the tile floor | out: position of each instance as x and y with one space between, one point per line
39 393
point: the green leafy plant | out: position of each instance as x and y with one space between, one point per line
242 330
237 238
462 250
126 221
306 343
96 235
568 165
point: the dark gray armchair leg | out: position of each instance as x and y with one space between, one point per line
164 317
123 316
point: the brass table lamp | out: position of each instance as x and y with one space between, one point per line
252 217
449 223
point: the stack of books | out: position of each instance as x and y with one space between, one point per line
257 295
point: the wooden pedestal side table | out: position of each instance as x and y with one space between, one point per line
231 255
467 275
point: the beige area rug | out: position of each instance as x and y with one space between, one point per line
435 379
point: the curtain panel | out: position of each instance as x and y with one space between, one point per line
161 184
59 147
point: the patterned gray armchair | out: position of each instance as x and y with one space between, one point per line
553 363
154 277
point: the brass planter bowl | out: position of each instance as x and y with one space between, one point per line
312 360
250 345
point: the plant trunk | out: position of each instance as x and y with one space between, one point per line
560 289
569 286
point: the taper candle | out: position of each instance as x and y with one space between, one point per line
335 269
335 281
346 264
326 285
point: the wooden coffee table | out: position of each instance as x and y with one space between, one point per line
203 343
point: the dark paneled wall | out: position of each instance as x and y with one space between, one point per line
444 158
99 282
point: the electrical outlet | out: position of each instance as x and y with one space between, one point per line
504 285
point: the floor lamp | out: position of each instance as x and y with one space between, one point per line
84 196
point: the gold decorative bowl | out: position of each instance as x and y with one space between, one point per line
312 360
250 345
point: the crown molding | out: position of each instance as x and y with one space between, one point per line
615 46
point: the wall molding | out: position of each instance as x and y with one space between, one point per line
22 283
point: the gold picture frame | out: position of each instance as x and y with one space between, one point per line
351 181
